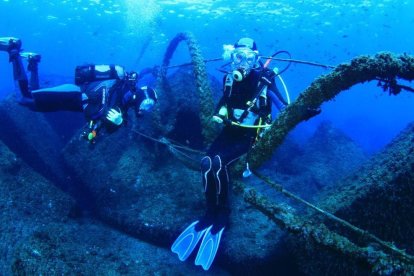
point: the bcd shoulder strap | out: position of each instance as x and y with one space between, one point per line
228 85
266 77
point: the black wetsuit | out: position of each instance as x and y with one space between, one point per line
95 98
120 95
235 141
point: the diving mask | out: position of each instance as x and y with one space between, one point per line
244 56
243 60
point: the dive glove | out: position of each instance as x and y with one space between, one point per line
114 116
221 120
220 117
217 119
146 105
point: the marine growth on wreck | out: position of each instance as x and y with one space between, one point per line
307 199
385 67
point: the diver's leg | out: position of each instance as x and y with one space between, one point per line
221 179
216 186
33 60
217 198
13 47
208 183
20 76
8 42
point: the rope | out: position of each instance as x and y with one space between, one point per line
249 126
190 63
173 147
268 60
354 228
301 61
177 153
149 137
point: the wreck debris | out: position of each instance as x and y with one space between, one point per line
383 67
201 80
379 261
361 69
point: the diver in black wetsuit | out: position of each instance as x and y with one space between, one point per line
106 102
245 110
103 92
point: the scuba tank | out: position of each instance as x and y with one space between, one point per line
90 73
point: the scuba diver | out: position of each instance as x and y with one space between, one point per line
104 93
245 109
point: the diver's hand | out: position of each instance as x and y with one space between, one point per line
221 120
147 105
217 119
114 116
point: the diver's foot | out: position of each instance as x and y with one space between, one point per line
31 56
10 43
33 59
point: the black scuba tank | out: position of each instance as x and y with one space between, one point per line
91 73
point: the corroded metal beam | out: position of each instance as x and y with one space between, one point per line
361 69
201 81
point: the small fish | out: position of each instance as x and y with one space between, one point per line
51 17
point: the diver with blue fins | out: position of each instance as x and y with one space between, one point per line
104 93
245 109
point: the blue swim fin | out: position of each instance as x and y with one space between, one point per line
187 241
208 248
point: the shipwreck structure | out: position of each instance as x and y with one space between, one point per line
386 174
131 179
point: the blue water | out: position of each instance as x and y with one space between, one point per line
68 33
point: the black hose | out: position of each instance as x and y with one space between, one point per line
278 53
